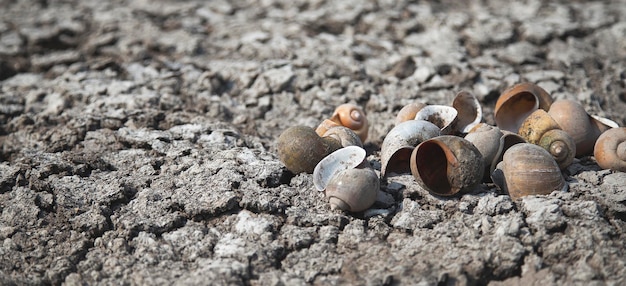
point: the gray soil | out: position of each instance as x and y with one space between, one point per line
138 141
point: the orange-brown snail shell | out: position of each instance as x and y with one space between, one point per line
517 102
408 112
527 169
610 149
447 165
573 119
348 115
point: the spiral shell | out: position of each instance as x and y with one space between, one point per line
344 135
527 169
469 111
348 115
342 159
447 165
517 103
492 143
610 149
408 112
445 117
300 148
573 119
397 146
539 128
353 190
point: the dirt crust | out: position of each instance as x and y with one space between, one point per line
137 141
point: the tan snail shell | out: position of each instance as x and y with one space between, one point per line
447 165
397 146
527 169
348 180
445 117
348 115
517 102
492 143
539 128
470 112
300 148
573 119
408 112
610 149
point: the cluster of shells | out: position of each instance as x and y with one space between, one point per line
449 151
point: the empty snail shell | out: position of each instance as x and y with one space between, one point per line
445 117
610 149
492 143
348 115
347 178
539 128
300 148
517 102
344 135
527 169
408 112
447 165
470 112
486 138
397 146
603 124
342 159
353 190
573 119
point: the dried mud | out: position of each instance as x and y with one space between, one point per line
138 141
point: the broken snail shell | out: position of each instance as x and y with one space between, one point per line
470 112
447 165
573 119
348 115
300 148
348 180
445 117
518 102
539 128
527 169
610 149
397 146
408 112
492 143
344 158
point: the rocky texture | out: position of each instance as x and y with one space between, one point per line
138 141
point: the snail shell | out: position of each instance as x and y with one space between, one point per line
344 135
470 112
408 112
539 128
492 143
610 149
353 190
446 165
397 146
486 138
300 148
348 115
342 159
573 119
527 169
507 140
445 117
517 102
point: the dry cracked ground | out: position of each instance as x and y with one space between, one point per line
138 141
